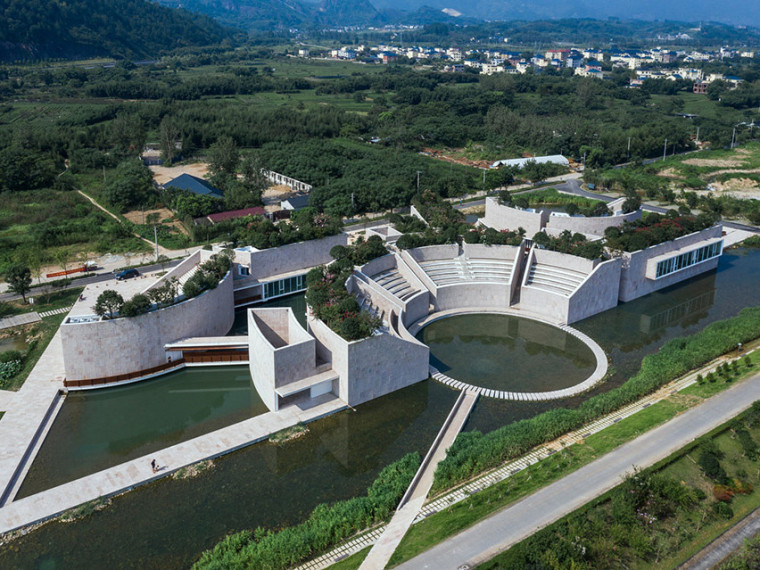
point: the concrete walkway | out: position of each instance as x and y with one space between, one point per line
18 320
415 496
502 530
725 545
27 413
122 477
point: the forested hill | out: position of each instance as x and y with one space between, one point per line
37 29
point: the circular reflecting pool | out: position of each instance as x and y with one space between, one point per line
504 352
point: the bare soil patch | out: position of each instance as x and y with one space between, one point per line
136 217
671 173
162 174
720 162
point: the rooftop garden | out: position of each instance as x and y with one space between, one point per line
572 243
654 229
110 304
328 298
552 198
446 225
262 233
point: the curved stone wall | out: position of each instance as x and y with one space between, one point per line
599 372
107 348
588 225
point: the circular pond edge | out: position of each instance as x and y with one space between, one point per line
599 373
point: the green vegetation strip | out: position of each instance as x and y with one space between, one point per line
464 514
326 527
659 516
474 452
43 332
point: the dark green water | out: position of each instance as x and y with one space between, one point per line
504 352
99 429
168 524
632 330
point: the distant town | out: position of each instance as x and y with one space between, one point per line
655 63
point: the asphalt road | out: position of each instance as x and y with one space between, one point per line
97 278
497 533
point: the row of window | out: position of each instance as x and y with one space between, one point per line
668 266
284 286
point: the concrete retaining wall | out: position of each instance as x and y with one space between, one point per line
634 283
371 367
287 258
108 348
502 217
599 292
465 295
591 225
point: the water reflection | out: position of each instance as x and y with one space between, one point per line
97 429
504 352
170 522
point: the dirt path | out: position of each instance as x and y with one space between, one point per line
161 249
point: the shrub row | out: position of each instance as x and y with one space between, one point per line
328 298
474 452
209 274
326 527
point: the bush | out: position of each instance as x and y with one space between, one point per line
327 526
137 305
474 452
208 274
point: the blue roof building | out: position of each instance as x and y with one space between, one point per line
195 185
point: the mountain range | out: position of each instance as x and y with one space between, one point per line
38 29
262 14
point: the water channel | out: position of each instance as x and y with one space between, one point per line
168 524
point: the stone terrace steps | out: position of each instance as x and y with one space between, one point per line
462 270
392 281
555 279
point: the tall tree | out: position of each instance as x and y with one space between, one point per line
19 279
109 301
169 135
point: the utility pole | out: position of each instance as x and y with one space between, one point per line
155 236
733 137
418 180
665 150
697 135
628 155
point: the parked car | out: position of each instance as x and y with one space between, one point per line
127 274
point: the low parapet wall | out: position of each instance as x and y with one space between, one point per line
481 251
434 252
588 225
108 348
501 217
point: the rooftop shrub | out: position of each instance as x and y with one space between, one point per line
655 229
328 298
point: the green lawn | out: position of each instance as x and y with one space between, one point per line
617 531
460 516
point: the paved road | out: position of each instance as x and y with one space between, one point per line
97 278
497 533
